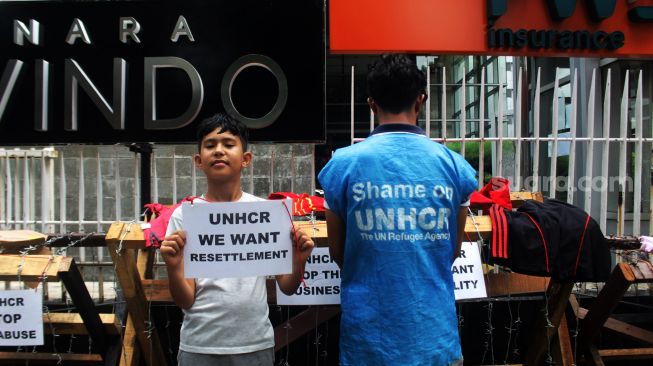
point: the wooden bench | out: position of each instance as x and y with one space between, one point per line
598 315
139 288
103 329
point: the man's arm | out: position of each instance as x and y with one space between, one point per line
172 251
462 219
336 230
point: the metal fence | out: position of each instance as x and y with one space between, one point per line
532 178
86 188
81 188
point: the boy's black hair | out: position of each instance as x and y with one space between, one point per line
394 82
225 123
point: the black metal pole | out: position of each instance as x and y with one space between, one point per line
145 152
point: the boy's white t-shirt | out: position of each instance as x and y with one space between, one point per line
229 315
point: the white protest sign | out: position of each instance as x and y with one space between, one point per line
322 278
467 271
21 318
237 239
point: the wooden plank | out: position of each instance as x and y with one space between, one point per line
33 267
607 300
562 349
145 263
594 357
131 353
11 358
13 240
518 198
558 296
573 302
497 284
643 272
317 230
64 264
626 354
78 293
131 235
134 238
483 227
623 328
130 283
114 349
504 283
72 323
271 287
157 291
302 323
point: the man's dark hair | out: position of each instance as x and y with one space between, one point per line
394 82
225 123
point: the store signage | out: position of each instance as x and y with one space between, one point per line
111 72
592 28
597 10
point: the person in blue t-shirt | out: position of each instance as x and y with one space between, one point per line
395 217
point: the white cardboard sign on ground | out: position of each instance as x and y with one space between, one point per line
322 277
237 239
21 318
467 271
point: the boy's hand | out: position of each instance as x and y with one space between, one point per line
302 248
303 245
172 248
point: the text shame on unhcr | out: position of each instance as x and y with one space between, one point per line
402 218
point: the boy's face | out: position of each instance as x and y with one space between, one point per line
221 156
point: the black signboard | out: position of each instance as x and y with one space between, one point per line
149 71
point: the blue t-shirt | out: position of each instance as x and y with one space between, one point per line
398 194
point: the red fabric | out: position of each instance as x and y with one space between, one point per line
496 191
302 204
495 232
499 232
157 231
504 233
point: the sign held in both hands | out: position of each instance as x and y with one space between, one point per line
237 239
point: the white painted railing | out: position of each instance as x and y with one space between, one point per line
532 179
59 179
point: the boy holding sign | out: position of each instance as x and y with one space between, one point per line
226 319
